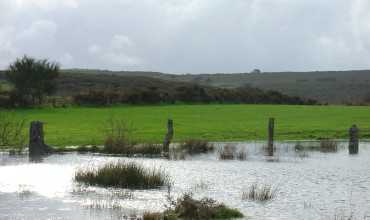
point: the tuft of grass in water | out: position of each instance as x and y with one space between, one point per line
186 207
147 149
12 132
189 208
167 215
228 152
241 154
260 193
342 216
196 146
328 145
153 216
223 212
122 175
118 137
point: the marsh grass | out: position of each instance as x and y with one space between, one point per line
227 152
260 193
196 146
24 192
325 145
147 149
189 208
118 136
12 131
153 216
177 153
103 204
341 215
231 152
242 154
328 145
122 175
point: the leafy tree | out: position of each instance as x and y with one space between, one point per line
33 78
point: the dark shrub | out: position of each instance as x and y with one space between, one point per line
33 79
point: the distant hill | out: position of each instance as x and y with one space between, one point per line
100 88
336 87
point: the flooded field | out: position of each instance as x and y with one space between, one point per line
309 184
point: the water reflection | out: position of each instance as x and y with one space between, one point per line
312 184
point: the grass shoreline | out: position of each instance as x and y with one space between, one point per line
76 126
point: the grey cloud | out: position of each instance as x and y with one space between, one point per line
189 35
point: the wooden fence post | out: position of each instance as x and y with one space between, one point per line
169 136
270 144
37 146
353 140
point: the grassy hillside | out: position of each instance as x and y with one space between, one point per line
337 87
75 126
70 83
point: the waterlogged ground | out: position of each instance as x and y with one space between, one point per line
311 185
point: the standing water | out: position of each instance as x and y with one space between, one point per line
310 184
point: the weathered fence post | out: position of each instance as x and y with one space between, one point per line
169 136
353 140
37 146
270 144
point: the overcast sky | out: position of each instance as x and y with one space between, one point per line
189 36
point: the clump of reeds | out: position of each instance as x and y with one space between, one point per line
230 152
123 175
227 152
118 138
342 214
189 208
153 216
147 149
241 154
196 146
177 154
260 193
328 145
12 132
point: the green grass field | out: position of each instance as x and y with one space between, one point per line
82 125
